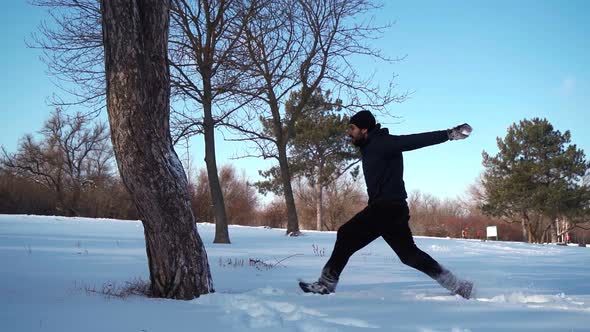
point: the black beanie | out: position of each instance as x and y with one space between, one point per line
363 120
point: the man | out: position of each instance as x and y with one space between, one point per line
387 212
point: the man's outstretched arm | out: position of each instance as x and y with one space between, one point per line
417 141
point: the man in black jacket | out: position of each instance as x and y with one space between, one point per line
387 212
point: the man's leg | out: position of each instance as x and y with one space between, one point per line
396 232
351 237
398 235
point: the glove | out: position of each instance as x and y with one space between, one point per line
459 132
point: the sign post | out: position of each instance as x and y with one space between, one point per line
492 231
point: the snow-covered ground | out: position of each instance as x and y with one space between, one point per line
48 264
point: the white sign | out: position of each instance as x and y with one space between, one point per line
492 231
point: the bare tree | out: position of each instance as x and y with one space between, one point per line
72 48
241 197
204 39
435 217
343 198
300 45
138 103
69 156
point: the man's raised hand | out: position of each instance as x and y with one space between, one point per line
459 132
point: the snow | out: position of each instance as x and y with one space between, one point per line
49 265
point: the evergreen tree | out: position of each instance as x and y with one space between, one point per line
319 150
536 178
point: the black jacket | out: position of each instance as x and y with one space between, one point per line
383 164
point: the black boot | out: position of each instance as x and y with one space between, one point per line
326 284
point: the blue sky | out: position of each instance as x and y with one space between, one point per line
488 63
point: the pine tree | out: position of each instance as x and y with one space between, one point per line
535 178
319 150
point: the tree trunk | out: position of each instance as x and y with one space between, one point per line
553 230
74 206
292 220
221 231
135 35
320 198
525 236
281 143
530 234
61 205
319 206
525 223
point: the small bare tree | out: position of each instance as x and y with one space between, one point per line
431 215
138 103
70 155
343 198
241 197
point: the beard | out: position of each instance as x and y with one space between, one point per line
359 141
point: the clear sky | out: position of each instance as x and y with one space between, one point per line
488 63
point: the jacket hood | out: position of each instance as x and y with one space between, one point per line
377 132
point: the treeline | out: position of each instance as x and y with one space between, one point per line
456 218
34 180
108 198
70 171
244 207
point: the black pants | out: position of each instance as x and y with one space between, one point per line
386 219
